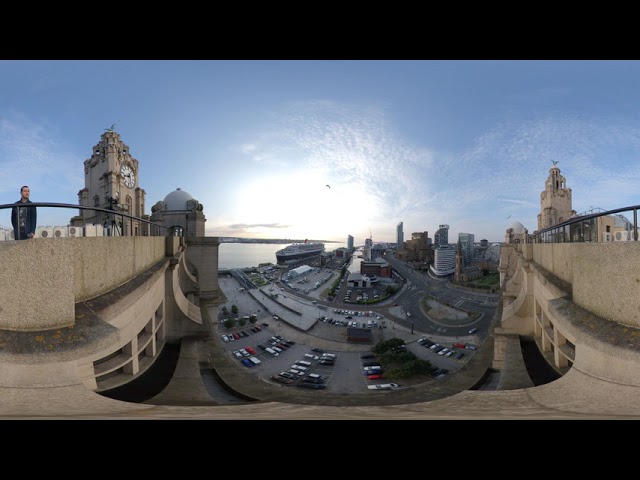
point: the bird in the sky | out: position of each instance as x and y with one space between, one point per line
328 187
508 217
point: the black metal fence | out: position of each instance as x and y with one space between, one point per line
114 222
589 228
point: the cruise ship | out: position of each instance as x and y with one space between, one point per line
299 251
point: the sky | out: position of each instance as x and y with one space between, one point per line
323 149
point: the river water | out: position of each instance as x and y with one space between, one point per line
243 255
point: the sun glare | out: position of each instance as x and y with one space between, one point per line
307 203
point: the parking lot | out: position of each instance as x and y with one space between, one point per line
346 374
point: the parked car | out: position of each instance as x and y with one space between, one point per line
278 378
375 376
237 354
317 386
384 386
313 380
250 350
368 355
247 363
319 350
326 361
225 338
470 346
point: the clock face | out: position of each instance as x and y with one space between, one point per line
128 176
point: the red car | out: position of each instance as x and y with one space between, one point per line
236 336
250 350
458 345
376 376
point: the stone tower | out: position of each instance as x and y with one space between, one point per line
111 181
555 200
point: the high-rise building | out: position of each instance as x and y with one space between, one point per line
444 262
441 237
350 242
399 236
368 243
467 241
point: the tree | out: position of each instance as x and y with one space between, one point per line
234 309
228 323
225 311
242 322
253 318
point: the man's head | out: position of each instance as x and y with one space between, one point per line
24 192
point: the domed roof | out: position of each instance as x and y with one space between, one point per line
517 227
177 200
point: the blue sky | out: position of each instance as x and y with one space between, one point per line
463 143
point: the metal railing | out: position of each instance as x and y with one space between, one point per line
585 229
115 225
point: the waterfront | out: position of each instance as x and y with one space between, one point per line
243 255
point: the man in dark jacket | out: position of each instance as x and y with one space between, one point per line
24 219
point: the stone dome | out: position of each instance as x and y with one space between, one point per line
517 227
177 200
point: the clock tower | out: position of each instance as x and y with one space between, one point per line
111 181
555 200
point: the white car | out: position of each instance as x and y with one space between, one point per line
237 354
225 338
383 386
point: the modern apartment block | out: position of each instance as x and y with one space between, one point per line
441 237
444 262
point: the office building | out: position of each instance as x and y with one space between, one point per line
399 236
